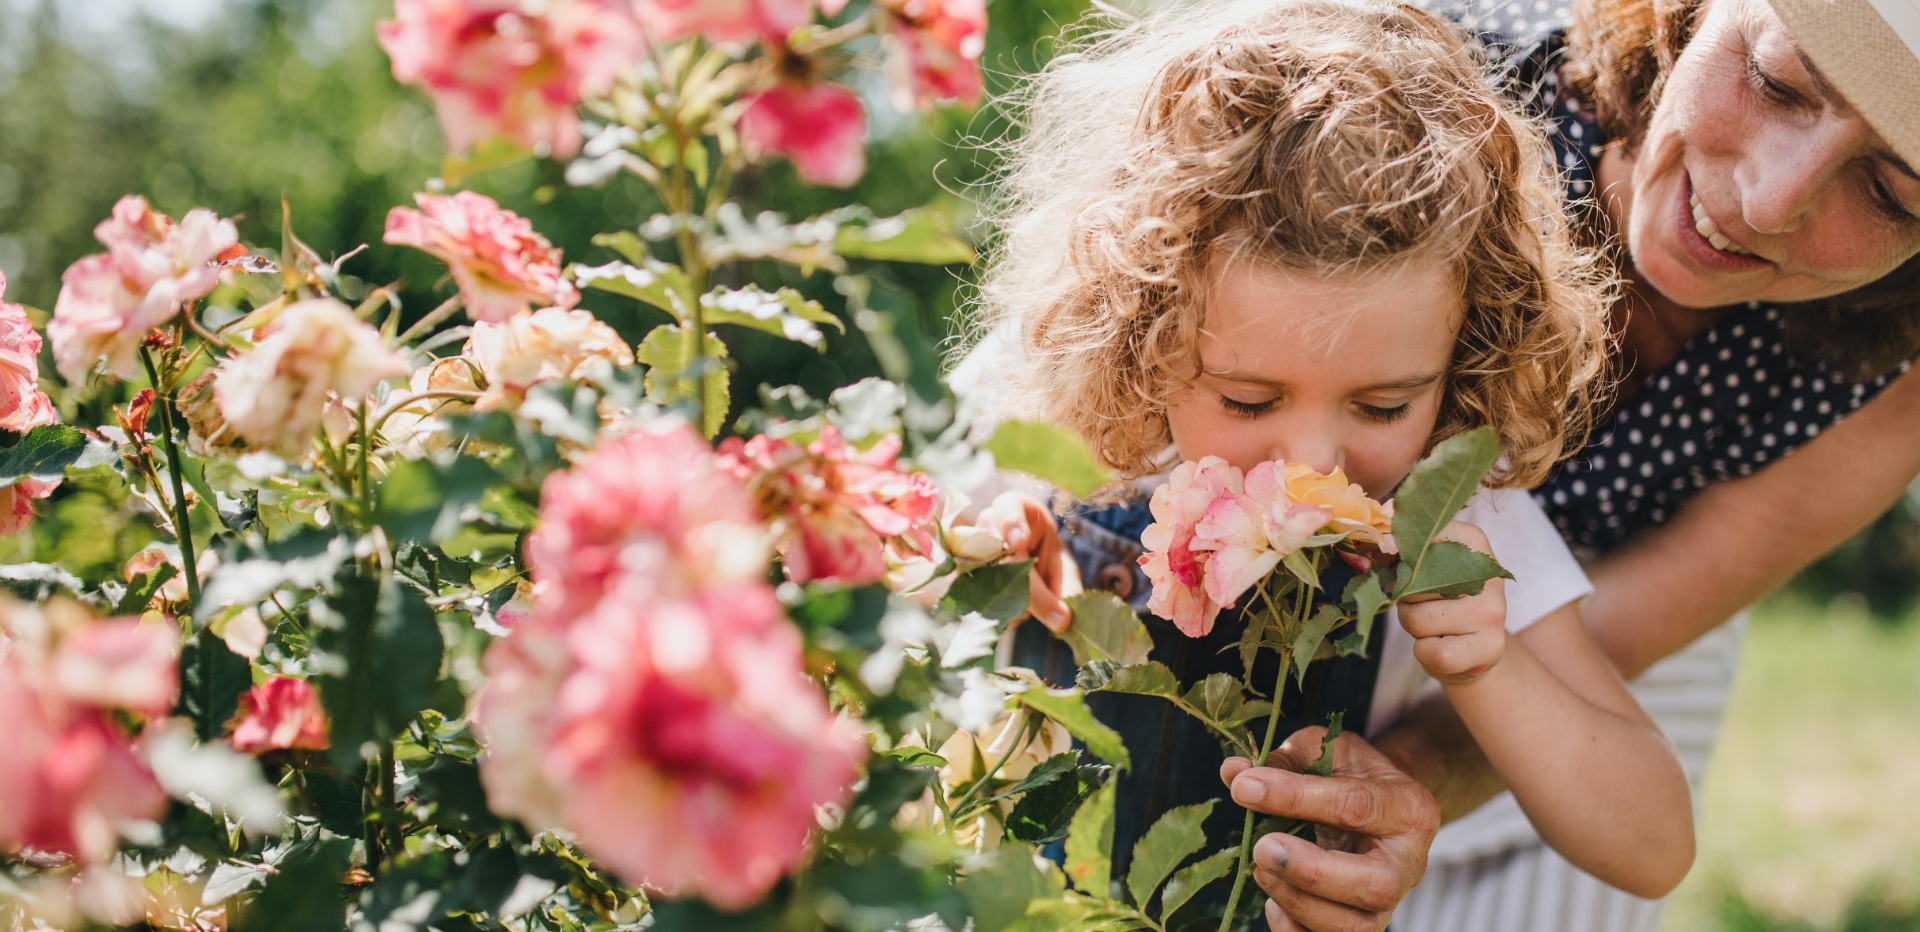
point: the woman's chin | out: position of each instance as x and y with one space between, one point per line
1686 284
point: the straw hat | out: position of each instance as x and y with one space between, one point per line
1870 50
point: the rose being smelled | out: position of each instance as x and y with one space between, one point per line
511 68
502 266
109 302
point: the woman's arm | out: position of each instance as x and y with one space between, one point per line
1736 540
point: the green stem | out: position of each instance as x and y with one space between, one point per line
1302 601
366 451
182 523
961 807
427 323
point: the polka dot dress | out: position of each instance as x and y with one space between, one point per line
1735 398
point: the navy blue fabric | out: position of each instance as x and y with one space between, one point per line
1176 761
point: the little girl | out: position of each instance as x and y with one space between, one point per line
1309 230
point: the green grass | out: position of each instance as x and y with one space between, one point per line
1812 804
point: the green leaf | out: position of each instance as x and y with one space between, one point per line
916 757
661 284
303 892
493 153
1450 569
1365 596
459 801
1051 453
1188 881
1171 840
1216 697
998 591
1308 642
664 353
1042 816
422 500
695 915
998 892
1090 844
378 650
1145 679
1067 707
1322 766
1438 487
626 243
918 235
140 591
1042 774
1105 628
47 451
37 582
212 677
784 313
891 783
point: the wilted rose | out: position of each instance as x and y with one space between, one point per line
282 713
274 395
530 348
820 126
109 302
936 50
516 69
23 405
502 266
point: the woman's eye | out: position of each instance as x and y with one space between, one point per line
1767 85
1246 408
1889 205
1381 415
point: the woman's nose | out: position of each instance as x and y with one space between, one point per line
1783 180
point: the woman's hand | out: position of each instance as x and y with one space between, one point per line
1375 822
1458 640
1027 529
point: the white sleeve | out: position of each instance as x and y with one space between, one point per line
1524 540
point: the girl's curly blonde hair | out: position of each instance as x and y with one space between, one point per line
1330 136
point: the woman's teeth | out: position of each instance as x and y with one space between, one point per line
1703 225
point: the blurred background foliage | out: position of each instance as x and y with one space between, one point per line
228 104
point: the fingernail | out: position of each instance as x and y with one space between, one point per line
1270 854
1249 793
1273 913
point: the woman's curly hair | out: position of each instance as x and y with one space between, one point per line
1329 136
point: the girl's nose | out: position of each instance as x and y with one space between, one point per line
1318 448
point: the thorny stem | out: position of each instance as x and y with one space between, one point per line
182 524
204 334
1302 601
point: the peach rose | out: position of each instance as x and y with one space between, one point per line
501 265
530 348
275 395
23 406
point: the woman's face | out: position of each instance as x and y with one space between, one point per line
1344 371
1757 181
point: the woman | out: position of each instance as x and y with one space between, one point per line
1757 162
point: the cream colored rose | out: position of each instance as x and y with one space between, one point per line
533 347
274 395
420 428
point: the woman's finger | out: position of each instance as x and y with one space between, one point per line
1359 881
1309 912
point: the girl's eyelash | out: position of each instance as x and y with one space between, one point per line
1245 408
1385 415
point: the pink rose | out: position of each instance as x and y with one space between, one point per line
834 509
283 712
530 348
511 68
1175 566
653 512
109 302
275 395
936 50
71 775
502 266
730 20
819 126
23 406
16 503
655 704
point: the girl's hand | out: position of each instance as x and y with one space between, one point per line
1458 640
1028 530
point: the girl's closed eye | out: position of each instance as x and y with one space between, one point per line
1384 414
1247 409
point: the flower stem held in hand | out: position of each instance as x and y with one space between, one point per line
1302 602
182 523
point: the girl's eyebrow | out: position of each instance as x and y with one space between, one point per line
1412 381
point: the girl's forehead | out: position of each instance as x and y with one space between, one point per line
1263 320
